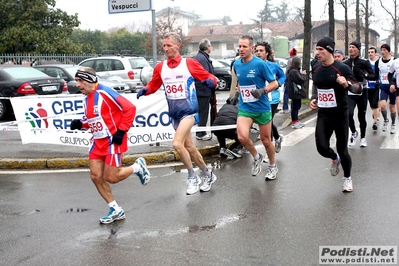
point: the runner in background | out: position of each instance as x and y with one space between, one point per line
373 91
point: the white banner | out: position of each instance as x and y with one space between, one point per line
46 119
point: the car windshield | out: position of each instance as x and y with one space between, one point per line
24 72
138 63
216 63
281 62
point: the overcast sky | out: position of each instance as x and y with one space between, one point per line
93 14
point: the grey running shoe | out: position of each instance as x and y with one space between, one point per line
257 166
223 152
208 181
235 153
143 173
230 155
193 184
352 139
334 169
271 173
277 144
385 125
347 186
112 216
205 137
297 125
393 129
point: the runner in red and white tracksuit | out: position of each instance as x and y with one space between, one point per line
106 111
108 116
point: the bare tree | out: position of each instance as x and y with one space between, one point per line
358 20
331 19
344 3
367 14
393 15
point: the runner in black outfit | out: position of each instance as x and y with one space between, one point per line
363 71
331 82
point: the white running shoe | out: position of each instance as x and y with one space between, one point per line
257 166
363 142
385 125
352 139
347 185
393 129
193 185
208 181
271 173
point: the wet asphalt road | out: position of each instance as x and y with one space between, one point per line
52 218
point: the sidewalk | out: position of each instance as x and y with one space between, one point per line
16 155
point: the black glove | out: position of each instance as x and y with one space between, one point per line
117 138
142 92
257 93
76 124
233 100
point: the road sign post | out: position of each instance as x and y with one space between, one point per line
123 6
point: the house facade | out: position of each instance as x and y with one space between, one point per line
281 35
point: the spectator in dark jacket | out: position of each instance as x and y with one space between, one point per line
206 96
296 89
227 115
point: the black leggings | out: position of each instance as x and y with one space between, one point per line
361 102
275 133
327 123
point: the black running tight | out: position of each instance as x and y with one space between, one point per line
327 123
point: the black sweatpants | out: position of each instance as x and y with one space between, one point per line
224 134
361 102
275 133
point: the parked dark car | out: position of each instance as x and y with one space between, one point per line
67 72
223 74
17 80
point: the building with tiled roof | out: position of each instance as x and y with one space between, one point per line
224 38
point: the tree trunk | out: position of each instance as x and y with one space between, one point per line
346 29
331 19
366 30
358 21
307 44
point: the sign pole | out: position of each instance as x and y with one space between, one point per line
154 39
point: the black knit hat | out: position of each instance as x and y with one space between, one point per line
357 44
327 43
386 46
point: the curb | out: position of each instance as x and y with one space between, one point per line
155 158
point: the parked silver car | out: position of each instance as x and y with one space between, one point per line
67 72
132 70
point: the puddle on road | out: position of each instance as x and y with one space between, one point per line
114 232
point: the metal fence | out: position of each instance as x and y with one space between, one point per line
33 59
